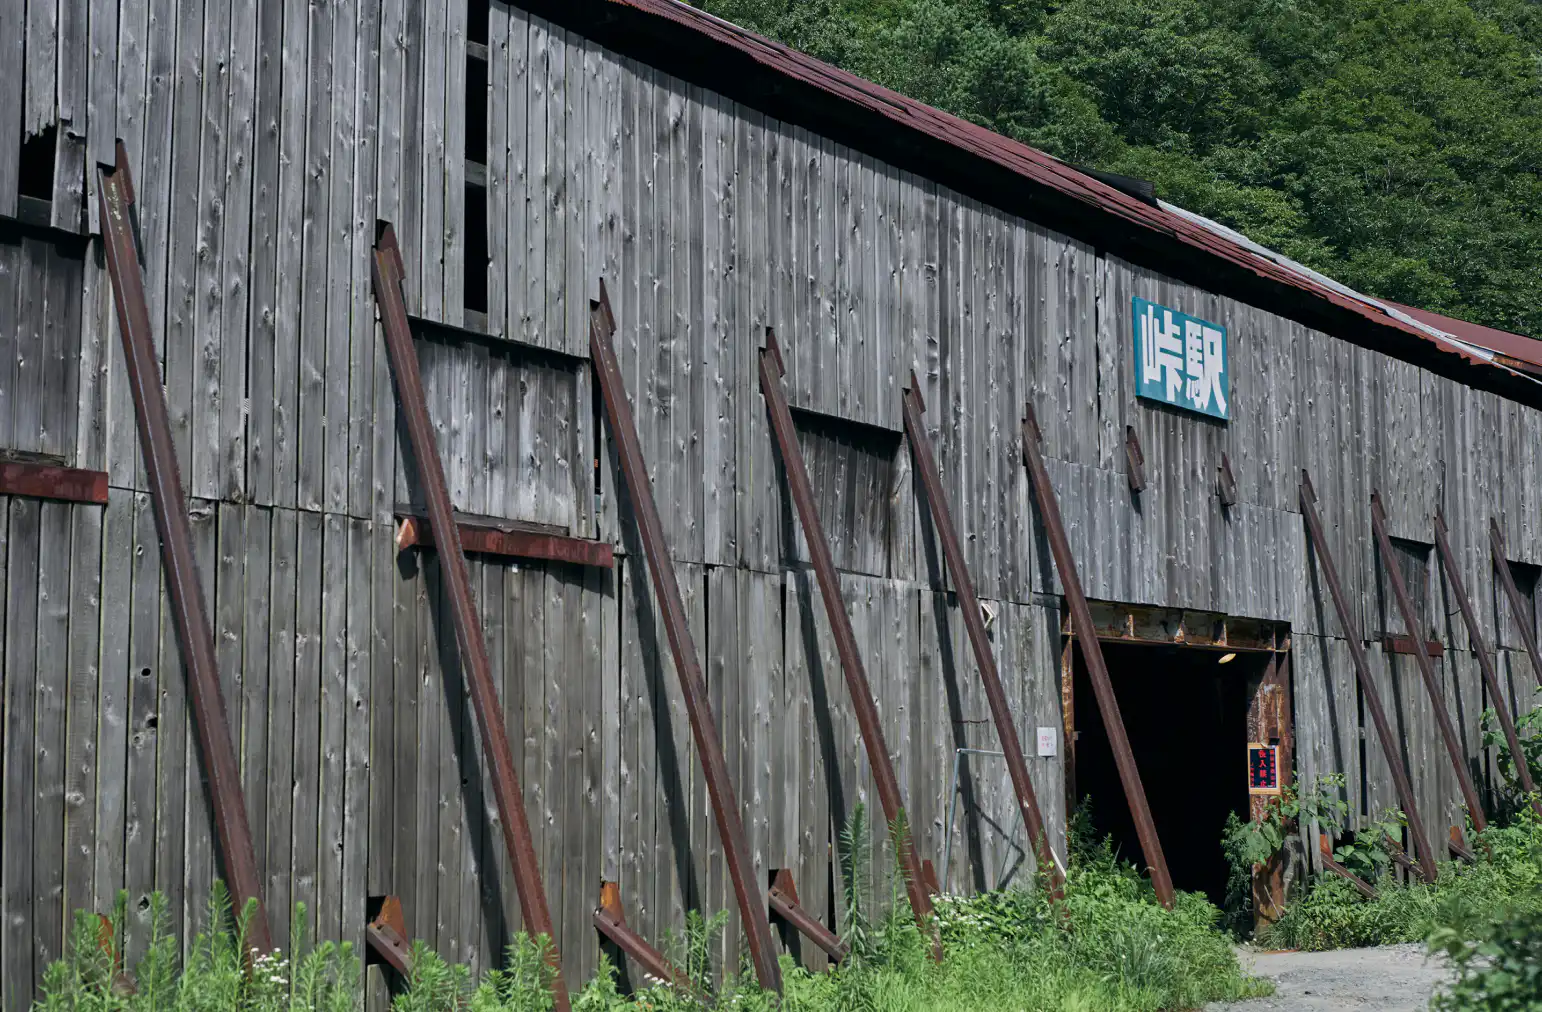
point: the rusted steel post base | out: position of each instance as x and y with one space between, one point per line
929 876
610 920
1368 688
1087 636
1458 846
386 937
1422 661
869 725
195 636
1453 576
1361 885
682 647
783 898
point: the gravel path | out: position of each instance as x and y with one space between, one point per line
1392 978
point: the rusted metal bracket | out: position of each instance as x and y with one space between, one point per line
1368 690
634 472
1226 482
979 639
1325 850
1399 644
1485 660
1086 634
1458 846
861 693
1426 669
610 920
386 936
1134 459
1518 609
388 273
783 898
47 481
495 540
115 194
929 877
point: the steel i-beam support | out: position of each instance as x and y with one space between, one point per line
1426 668
783 898
1518 608
979 640
194 636
386 936
1485 659
861 693
634 472
388 274
1092 652
610 921
1368 690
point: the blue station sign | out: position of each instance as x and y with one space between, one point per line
1180 360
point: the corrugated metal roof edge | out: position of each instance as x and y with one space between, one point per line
708 51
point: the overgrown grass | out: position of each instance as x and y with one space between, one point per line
1507 877
1108 946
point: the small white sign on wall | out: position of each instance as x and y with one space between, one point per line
1046 742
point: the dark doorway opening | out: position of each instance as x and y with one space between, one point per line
1186 717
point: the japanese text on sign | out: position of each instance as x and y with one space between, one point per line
1263 768
1180 360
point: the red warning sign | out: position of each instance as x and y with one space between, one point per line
1263 768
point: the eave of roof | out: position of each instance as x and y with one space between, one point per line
1525 351
796 88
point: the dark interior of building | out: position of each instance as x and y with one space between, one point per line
1186 717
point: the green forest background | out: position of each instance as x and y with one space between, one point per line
1395 146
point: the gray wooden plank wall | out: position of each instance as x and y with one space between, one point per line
264 142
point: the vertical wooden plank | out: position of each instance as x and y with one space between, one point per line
341 262
331 713
50 716
517 191
113 703
498 152
400 759
60 354
537 182
198 869
239 196
556 199
357 728
309 628
12 298
17 925
82 834
139 812
13 35
310 431
208 288
434 112
455 110
31 346
73 42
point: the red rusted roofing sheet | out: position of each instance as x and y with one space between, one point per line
1526 349
1032 165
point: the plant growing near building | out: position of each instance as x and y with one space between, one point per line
1529 730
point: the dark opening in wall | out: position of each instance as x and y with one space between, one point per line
476 248
478 13
476 109
37 165
1412 559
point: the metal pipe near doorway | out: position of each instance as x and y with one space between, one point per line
1426 669
979 640
1086 634
953 793
1368 690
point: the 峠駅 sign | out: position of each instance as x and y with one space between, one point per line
1180 359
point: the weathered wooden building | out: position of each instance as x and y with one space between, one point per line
719 186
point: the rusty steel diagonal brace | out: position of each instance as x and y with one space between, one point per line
1496 543
783 898
857 687
1368 690
1485 659
195 637
388 273
979 639
725 807
1426 668
1092 652
610 920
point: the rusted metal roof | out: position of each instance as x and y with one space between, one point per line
1524 351
777 79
